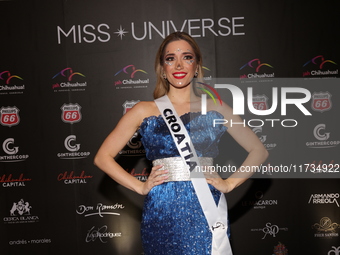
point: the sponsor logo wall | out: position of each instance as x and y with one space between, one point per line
68 74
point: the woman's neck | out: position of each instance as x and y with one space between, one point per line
183 95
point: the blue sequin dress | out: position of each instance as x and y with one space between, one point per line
173 221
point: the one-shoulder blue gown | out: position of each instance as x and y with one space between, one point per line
173 222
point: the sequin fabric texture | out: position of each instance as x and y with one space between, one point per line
173 221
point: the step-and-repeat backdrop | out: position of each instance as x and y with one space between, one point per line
69 70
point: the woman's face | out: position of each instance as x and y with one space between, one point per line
180 63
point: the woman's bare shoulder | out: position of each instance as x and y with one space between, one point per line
145 109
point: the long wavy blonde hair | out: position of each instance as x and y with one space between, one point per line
162 85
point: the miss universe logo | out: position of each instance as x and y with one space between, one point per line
146 30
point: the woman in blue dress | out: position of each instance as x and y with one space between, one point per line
173 221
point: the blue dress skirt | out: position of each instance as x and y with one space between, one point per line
173 221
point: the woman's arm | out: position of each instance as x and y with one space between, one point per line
116 141
247 139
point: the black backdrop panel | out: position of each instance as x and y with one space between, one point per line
63 89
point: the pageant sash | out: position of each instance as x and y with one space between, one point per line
217 216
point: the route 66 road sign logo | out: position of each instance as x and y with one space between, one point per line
70 113
260 102
9 116
321 101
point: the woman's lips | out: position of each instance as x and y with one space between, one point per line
179 75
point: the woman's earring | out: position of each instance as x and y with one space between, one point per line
196 74
164 76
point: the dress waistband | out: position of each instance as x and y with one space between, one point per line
178 171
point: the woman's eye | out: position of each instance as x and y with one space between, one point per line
188 57
169 59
